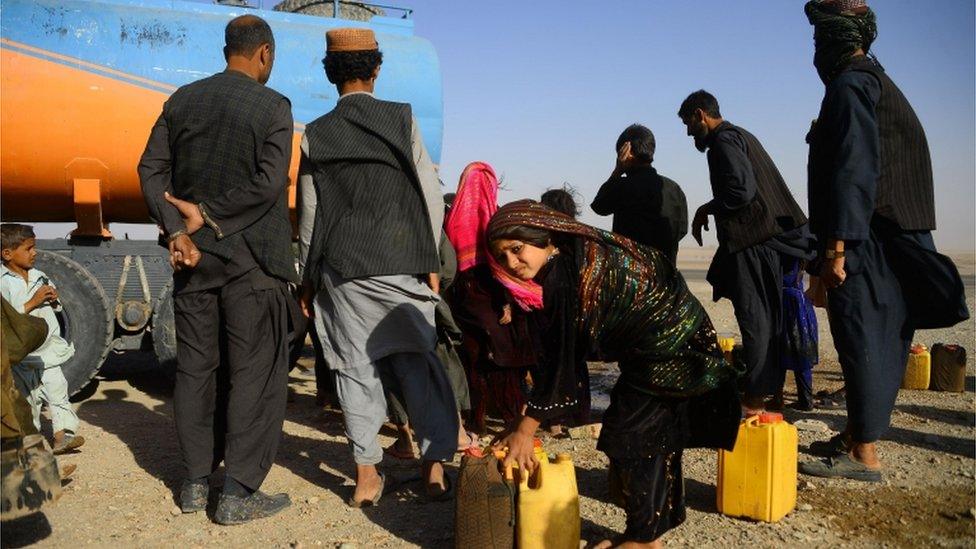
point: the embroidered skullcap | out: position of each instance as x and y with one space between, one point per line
350 39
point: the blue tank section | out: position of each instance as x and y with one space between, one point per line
165 44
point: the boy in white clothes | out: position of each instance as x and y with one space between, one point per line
38 376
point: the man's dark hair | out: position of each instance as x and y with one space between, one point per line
344 66
12 235
642 142
700 99
562 200
245 34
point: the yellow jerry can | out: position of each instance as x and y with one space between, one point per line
548 505
726 342
757 479
919 368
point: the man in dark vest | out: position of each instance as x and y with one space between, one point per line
757 223
647 208
370 264
872 208
214 177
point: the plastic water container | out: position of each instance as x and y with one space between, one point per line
757 479
484 506
948 368
726 342
548 505
918 372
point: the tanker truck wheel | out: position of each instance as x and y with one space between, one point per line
164 331
86 317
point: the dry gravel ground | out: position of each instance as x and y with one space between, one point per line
122 493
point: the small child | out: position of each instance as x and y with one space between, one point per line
38 376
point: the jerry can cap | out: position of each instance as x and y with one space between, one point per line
918 348
770 417
536 443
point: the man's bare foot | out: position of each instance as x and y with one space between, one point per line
865 453
368 482
433 475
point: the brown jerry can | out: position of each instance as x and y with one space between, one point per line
948 368
484 507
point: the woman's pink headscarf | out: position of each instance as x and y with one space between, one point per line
466 226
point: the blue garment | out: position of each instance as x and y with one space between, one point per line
800 337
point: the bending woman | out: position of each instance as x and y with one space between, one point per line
607 298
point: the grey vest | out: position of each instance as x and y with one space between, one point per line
371 217
216 129
772 211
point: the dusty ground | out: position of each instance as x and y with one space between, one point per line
122 493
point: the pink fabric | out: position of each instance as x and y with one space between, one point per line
466 226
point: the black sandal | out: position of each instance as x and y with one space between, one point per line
834 446
841 466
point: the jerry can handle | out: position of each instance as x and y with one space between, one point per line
752 420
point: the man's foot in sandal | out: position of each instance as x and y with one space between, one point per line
840 466
370 501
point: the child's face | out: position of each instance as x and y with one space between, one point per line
21 257
521 259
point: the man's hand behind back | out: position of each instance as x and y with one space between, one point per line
183 253
190 212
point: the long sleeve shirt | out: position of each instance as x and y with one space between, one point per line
730 172
646 207
849 130
238 206
55 350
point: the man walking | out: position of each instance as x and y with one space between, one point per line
872 208
756 221
214 176
371 264
647 208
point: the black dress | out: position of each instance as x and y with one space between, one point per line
643 435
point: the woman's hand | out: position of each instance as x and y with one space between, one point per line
506 317
519 443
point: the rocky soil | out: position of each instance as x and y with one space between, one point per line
122 493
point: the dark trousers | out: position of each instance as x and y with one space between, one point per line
238 331
753 280
872 333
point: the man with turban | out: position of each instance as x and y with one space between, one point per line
871 204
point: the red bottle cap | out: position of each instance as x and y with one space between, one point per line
770 417
536 443
918 349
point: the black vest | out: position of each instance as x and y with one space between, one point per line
772 211
371 217
217 127
905 193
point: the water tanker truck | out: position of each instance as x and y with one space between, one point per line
81 83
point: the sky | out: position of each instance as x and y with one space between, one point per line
541 89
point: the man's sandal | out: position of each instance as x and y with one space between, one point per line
841 466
